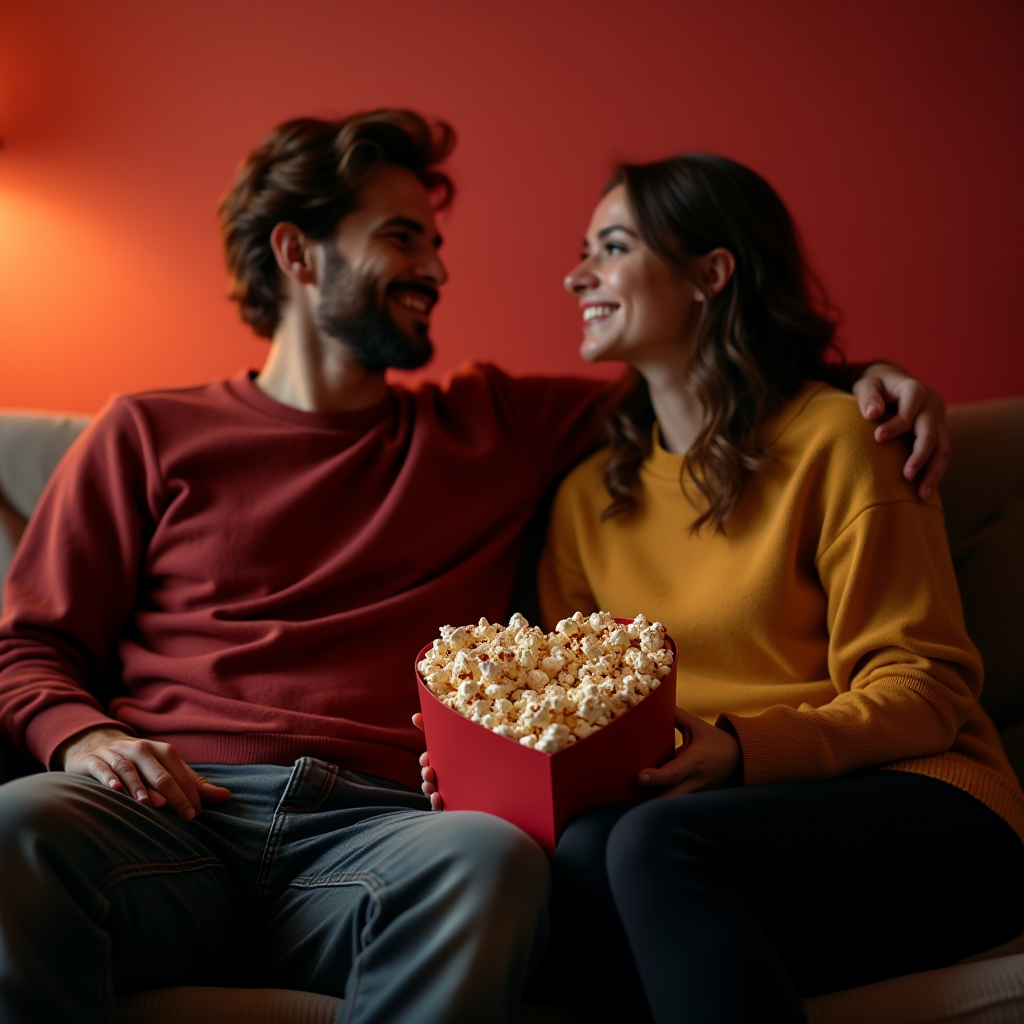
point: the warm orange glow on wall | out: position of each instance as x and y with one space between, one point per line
893 130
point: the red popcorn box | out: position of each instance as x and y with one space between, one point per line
478 770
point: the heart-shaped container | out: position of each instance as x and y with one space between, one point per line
478 770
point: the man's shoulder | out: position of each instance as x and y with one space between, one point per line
180 406
482 377
211 394
584 485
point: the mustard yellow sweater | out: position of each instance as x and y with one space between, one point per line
825 625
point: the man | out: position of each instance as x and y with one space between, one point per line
227 580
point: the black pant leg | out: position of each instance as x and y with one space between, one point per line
737 902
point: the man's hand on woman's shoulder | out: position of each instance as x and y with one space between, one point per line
915 407
151 772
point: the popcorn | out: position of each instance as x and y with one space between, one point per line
546 691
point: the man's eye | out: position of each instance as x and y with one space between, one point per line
401 237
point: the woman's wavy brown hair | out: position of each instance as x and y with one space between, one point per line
768 330
309 172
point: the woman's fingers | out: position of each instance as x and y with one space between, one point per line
705 760
671 773
417 720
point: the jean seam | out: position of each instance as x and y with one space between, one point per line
355 977
325 790
368 878
124 872
271 846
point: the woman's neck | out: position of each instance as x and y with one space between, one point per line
680 415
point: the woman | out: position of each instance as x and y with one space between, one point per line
821 640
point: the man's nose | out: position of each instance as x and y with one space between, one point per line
431 268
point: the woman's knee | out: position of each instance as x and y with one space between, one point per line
579 863
639 836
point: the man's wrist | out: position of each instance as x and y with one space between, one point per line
86 739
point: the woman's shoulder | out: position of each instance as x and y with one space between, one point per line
821 437
822 419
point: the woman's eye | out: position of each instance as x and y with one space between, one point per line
614 248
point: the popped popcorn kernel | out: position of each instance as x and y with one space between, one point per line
546 691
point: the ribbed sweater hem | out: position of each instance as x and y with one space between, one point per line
994 790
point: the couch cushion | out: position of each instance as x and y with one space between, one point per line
986 992
200 1005
31 445
983 497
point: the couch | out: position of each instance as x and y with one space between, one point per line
984 505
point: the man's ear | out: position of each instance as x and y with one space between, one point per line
717 268
293 252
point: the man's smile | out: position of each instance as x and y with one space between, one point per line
411 295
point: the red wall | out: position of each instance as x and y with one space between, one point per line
895 131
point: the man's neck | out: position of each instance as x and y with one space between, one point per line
314 374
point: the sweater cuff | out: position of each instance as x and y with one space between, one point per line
736 776
50 727
771 754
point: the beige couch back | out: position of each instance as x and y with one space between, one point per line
983 496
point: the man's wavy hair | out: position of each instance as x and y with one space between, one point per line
309 172
768 330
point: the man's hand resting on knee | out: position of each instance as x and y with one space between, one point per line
153 773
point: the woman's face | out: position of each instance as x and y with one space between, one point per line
634 305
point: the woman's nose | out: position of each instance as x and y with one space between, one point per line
580 279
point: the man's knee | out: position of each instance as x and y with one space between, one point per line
491 855
47 814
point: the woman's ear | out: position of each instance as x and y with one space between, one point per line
717 268
293 252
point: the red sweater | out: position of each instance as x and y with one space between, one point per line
252 583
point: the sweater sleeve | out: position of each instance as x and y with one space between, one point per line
559 417
906 674
72 586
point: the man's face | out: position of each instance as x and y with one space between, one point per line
381 274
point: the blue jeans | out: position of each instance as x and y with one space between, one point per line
308 878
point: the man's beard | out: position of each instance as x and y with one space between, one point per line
350 311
